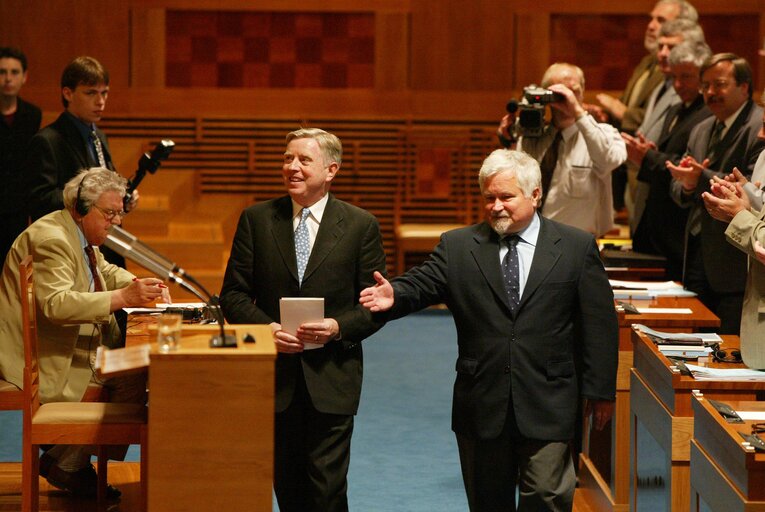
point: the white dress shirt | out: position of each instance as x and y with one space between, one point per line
580 192
313 220
526 247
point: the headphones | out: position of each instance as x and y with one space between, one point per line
79 204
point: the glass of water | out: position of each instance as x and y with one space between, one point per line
169 332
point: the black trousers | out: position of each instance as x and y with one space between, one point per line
543 472
312 451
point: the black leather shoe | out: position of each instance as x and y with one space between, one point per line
82 483
46 462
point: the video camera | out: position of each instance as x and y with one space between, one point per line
531 116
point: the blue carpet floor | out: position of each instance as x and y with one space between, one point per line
403 453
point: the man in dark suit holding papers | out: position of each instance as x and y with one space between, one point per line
309 244
536 329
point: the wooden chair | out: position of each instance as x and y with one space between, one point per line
82 423
11 397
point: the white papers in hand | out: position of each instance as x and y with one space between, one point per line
295 311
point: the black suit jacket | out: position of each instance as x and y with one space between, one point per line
566 314
663 222
263 268
13 147
56 154
724 265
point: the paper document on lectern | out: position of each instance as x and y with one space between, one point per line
295 311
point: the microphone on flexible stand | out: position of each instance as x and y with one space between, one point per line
128 246
149 162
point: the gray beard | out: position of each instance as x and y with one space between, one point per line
501 225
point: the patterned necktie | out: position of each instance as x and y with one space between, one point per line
511 271
93 268
548 164
714 140
99 149
302 243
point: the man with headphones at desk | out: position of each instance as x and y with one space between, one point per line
76 292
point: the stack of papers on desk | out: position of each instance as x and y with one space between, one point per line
732 374
680 344
648 289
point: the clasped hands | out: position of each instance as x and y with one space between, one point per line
687 172
310 332
726 197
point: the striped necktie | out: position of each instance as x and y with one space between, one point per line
93 268
99 149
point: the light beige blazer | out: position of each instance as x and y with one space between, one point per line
746 227
64 304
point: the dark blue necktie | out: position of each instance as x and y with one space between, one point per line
511 271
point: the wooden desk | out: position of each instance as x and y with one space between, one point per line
636 273
661 401
725 476
211 422
604 463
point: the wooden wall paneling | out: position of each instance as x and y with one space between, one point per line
532 55
282 5
429 44
460 45
51 34
392 51
760 77
147 47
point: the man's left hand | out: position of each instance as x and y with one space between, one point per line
318 332
687 172
601 410
725 199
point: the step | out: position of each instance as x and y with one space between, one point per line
188 253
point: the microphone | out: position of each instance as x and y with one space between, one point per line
512 108
128 246
149 162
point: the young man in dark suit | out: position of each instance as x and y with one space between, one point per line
536 331
73 141
714 268
309 244
19 122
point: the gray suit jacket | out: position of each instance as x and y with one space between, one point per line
651 127
724 266
744 229
263 268
561 344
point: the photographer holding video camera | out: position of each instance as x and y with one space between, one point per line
576 153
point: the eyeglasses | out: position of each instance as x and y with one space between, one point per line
110 214
717 85
722 356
